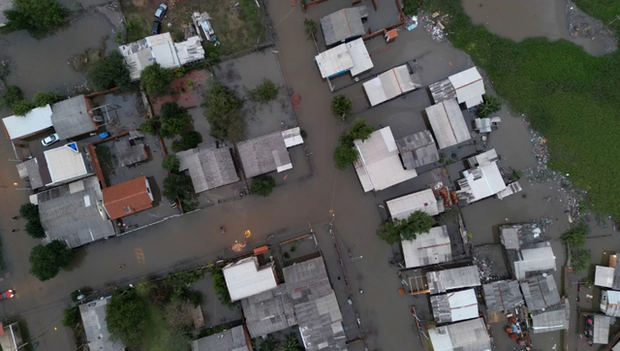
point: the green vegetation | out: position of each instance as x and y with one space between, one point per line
46 261
345 153
30 213
310 27
125 318
71 317
137 28
106 161
36 16
262 185
173 118
555 84
13 98
155 79
265 92
219 285
188 141
43 98
516 175
410 7
272 344
251 15
580 259
110 72
223 112
171 163
341 107
406 229
21 108
490 104
576 236
178 186
151 125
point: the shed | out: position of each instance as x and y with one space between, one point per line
334 61
418 149
127 198
454 306
72 117
471 335
604 276
428 248
234 339
264 154
480 182
379 166
96 328
402 207
502 295
390 84
540 292
35 170
597 328
442 91
448 123
209 168
344 24
556 318
533 260
292 137
454 278
610 302
469 87
36 121
244 278
484 158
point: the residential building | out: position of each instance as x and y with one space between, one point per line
234 339
209 168
343 25
534 260
608 277
448 124
455 306
269 152
597 328
74 213
520 235
38 120
482 180
418 149
425 201
428 248
471 335
350 57
378 166
245 278
96 328
11 337
127 198
467 87
610 302
73 117
453 278
552 319
390 84
540 292
503 295
130 150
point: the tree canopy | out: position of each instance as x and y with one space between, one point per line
12 95
219 285
35 15
125 317
21 108
171 163
173 119
490 104
110 72
43 98
223 112
406 229
30 213
264 92
178 186
262 185
341 107
155 79
188 141
344 155
46 261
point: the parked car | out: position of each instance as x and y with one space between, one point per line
7 295
161 11
50 139
156 27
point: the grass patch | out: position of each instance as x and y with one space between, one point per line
568 95
158 335
137 27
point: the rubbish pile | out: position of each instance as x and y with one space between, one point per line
582 25
433 26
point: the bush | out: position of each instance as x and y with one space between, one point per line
188 141
109 73
155 79
46 261
71 317
341 107
265 92
12 95
29 211
43 98
35 16
406 229
173 119
223 112
21 108
35 229
125 318
262 185
410 7
171 163
580 259
576 236
151 125
360 130
490 104
178 186
344 155
219 285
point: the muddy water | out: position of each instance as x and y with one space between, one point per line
523 19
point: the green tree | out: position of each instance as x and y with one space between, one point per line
410 7
360 130
344 155
406 229
12 95
151 125
188 141
21 108
155 79
171 163
145 287
35 229
125 317
490 104
46 261
580 259
262 185
109 73
576 236
71 317
43 98
173 119
223 112
219 285
341 107
29 211
35 15
178 186
310 28
265 92
291 344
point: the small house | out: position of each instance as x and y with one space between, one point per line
471 335
95 327
127 198
244 278
448 124
234 339
343 25
425 201
453 278
391 84
454 306
502 295
428 248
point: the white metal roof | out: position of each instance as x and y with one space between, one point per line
65 163
484 181
244 278
360 56
471 335
469 87
35 121
428 248
448 123
292 137
534 260
402 207
334 61
379 165
190 50
163 50
462 305
484 158
604 276
389 85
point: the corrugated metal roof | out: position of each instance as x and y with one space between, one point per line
292 137
342 25
480 182
228 340
448 123
483 158
616 284
469 87
502 295
469 335
442 91
601 328
264 154
31 170
552 320
334 61
245 278
209 168
454 278
418 149
35 121
361 59
516 236
402 207
96 328
427 249
610 302
71 118
539 259
540 292
391 84
454 307
604 276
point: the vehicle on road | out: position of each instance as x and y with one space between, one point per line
156 27
161 11
50 139
7 294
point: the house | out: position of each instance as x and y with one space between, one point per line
417 150
454 278
503 295
471 335
209 168
390 84
74 213
482 180
540 292
552 319
161 49
234 339
4 5
245 278
73 117
608 277
11 337
130 151
516 236
428 248
455 306
343 25
610 302
38 120
378 166
305 299
448 124
350 57
534 260
597 328
96 328
268 153
425 201
127 198
467 87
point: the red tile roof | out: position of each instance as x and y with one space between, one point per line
126 198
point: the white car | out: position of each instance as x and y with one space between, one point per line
49 140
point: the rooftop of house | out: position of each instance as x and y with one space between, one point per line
95 327
454 278
35 121
130 151
520 235
471 335
72 118
502 295
127 198
343 24
448 124
264 154
390 84
235 339
552 319
540 292
418 149
454 306
600 327
480 182
244 278
534 260
64 163
402 207
35 170
428 248
469 87
209 168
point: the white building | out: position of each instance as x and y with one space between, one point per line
610 303
390 84
537 259
448 124
402 207
469 335
351 57
428 248
455 306
469 87
245 278
37 120
483 180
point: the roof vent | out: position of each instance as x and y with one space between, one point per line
127 209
